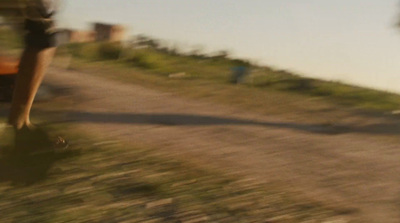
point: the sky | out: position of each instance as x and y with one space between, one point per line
353 41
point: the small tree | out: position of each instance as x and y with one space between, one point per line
146 41
222 54
197 51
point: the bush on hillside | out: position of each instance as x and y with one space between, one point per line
144 60
110 51
89 51
96 51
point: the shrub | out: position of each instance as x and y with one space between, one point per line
110 51
144 60
87 51
96 51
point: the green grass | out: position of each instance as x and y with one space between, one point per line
108 181
335 91
215 73
10 40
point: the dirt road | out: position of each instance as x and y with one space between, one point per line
353 168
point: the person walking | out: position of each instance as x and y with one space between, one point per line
40 46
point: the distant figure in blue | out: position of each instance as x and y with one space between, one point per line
239 72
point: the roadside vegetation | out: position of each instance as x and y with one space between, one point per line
101 180
161 63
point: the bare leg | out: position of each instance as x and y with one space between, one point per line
33 65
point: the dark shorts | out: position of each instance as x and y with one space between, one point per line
38 36
41 41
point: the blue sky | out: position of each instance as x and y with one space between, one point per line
355 41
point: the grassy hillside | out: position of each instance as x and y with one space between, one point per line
164 63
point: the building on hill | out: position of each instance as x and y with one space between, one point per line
76 36
109 32
100 32
79 36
